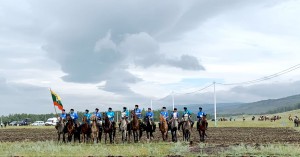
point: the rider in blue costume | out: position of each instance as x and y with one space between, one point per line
189 113
63 115
150 115
111 115
87 115
124 114
200 116
138 112
165 114
74 116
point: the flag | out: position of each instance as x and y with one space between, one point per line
56 100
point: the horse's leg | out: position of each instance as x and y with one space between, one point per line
100 134
123 136
140 134
111 137
64 137
58 137
105 137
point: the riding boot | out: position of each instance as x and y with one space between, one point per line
192 123
159 125
119 126
198 126
206 126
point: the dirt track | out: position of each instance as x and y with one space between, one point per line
219 136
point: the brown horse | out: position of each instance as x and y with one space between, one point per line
108 128
70 128
163 127
85 129
202 128
290 118
135 127
94 129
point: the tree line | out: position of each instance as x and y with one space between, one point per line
284 109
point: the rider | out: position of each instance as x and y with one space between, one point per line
175 115
111 115
150 115
124 114
138 112
74 116
98 115
189 113
200 116
165 114
87 115
63 115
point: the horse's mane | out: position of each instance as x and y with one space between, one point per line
162 119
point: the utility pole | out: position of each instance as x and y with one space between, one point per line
215 104
173 99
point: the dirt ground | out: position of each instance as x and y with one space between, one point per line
216 136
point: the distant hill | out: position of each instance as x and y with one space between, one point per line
265 106
259 107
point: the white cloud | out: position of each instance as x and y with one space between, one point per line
125 52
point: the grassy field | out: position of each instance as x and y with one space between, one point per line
50 148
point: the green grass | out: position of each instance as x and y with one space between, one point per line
21 127
50 148
263 150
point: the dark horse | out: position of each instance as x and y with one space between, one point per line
202 128
148 127
135 127
85 129
174 128
108 129
72 129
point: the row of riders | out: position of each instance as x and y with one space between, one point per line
93 125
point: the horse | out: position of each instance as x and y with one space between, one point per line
148 127
60 127
290 118
253 118
70 128
85 129
163 127
186 128
108 129
296 122
94 129
202 128
124 129
174 128
135 127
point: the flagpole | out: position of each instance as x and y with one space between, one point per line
53 104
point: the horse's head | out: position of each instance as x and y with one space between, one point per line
93 118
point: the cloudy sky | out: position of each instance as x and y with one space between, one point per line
115 53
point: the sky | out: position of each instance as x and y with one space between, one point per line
112 53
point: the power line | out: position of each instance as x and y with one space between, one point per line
195 91
266 77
